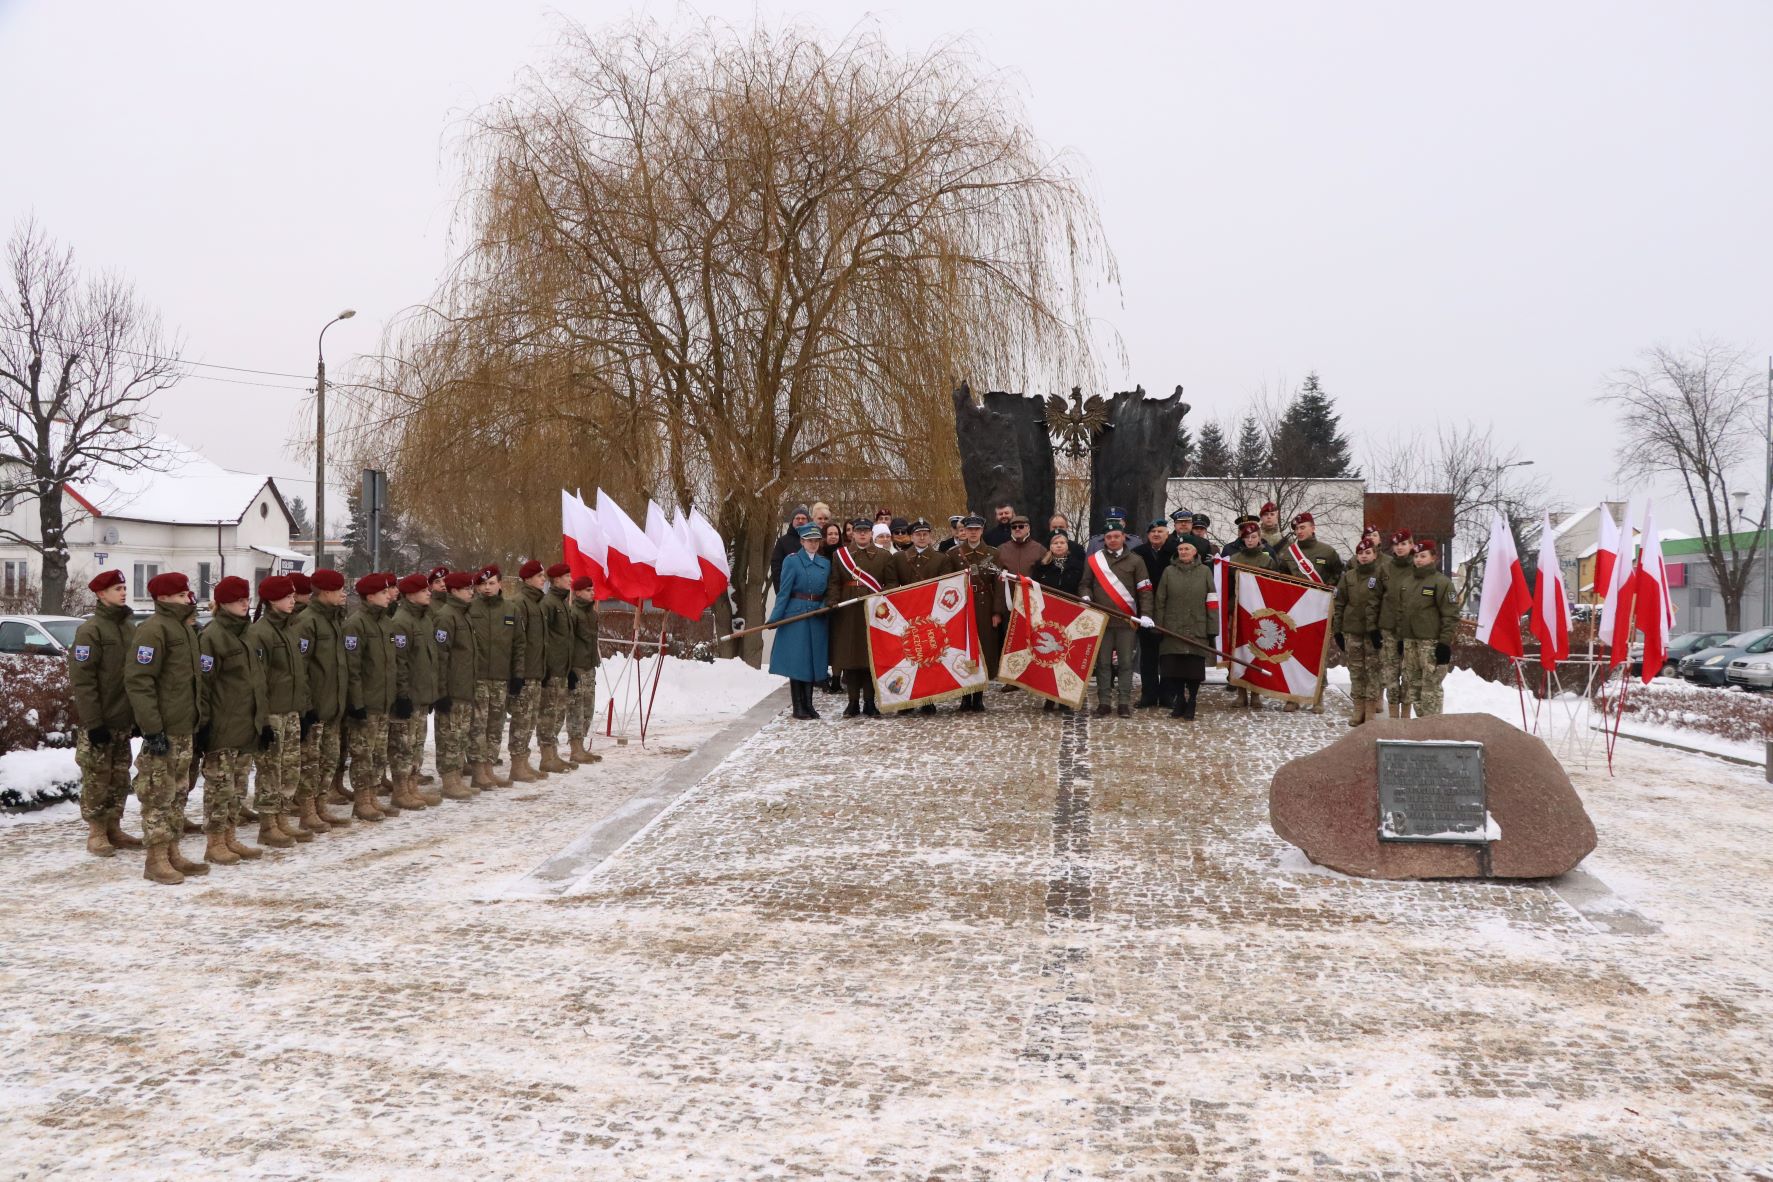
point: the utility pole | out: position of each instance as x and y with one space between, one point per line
320 438
1767 494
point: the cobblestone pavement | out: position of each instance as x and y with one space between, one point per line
1008 946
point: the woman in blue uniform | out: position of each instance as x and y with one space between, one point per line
800 652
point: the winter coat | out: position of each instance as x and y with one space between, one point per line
910 566
1019 558
1257 557
498 638
1393 570
557 616
800 650
233 684
454 636
1428 608
534 628
282 671
788 543
1180 606
584 622
371 660
848 629
423 655
1355 610
103 646
1322 557
319 636
165 689
1129 569
1064 576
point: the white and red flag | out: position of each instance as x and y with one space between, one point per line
1606 554
1652 609
1550 621
1050 647
680 589
923 643
1280 633
1504 598
631 555
710 556
1616 601
582 542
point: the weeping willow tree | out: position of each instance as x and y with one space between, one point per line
723 267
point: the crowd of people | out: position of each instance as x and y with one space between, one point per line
277 706
1393 617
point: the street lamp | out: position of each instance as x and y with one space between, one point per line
320 438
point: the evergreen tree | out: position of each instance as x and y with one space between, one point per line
1214 455
298 510
1252 448
1309 440
1181 451
356 537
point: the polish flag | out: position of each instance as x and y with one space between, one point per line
1653 610
1504 598
710 556
680 575
1550 621
632 576
582 542
1605 555
1616 606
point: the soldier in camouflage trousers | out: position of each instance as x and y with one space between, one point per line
233 689
1354 622
419 650
96 661
371 661
498 682
581 678
282 687
557 668
453 711
1427 620
1396 567
530 668
319 640
166 699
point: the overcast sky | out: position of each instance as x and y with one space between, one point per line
1449 211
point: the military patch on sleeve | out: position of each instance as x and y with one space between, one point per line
399 640
1372 583
443 636
302 645
350 644
144 654
206 663
82 652
1428 591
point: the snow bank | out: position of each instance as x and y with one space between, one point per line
32 779
688 691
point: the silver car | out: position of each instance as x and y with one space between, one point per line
38 636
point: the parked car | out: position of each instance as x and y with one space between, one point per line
1710 666
1685 645
39 636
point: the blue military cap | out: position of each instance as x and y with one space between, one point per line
809 530
1182 515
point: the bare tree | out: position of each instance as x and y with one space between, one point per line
1695 415
79 360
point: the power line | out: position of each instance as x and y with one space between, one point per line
269 373
204 377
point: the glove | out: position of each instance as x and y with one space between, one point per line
514 687
156 744
572 679
200 740
403 707
267 738
1341 641
1376 639
1443 654
309 718
358 714
1147 622
99 736
442 705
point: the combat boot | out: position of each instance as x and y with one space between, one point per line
159 868
579 755
309 818
183 864
333 820
1359 713
336 794
1375 709
247 852
271 835
521 772
291 828
432 798
248 813
364 804
454 789
479 776
98 842
552 762
217 850
404 794
120 840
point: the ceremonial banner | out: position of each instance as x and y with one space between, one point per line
1281 627
1050 648
923 643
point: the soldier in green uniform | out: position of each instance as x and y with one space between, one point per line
1306 550
1397 567
980 562
166 699
858 568
529 665
924 560
317 630
581 678
418 649
103 645
498 655
283 686
233 711
373 683
1116 578
558 638
1354 622
1428 613
1251 552
453 711
1273 536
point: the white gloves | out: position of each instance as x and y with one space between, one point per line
1147 622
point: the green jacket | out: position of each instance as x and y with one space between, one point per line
233 683
1182 607
584 620
371 660
1428 607
165 689
1257 558
1322 556
319 635
1356 606
283 672
498 638
455 643
102 647
414 635
534 665
1392 569
557 613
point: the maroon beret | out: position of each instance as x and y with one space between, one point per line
370 584
174 583
413 584
1402 535
558 569
437 572
326 579
1248 528
530 569
105 580
1304 519
487 573
274 588
231 589
455 580
300 582
1425 546
582 583
1269 507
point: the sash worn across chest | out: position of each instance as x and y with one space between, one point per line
856 572
1119 594
1306 567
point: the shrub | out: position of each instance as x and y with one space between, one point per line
1729 714
36 704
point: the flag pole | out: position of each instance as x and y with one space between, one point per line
823 610
1119 615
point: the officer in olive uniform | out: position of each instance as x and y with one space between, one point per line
167 701
557 665
102 646
233 710
1308 550
1428 613
980 561
1252 553
858 569
1396 567
923 559
498 677
282 686
412 620
1130 589
581 677
1203 541
318 632
1354 622
372 666
453 711
530 666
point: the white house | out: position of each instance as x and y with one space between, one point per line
187 514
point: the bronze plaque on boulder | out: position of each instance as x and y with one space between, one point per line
1432 790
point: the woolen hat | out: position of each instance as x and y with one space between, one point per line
1304 519
800 511
105 580
301 583
171 583
275 587
487 573
582 583
413 584
883 530
369 585
530 569
558 569
230 590
455 580
326 579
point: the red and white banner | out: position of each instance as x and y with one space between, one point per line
1307 568
1281 628
632 575
1121 597
1653 610
923 643
1550 621
680 588
1050 647
582 544
1504 598
710 554
855 570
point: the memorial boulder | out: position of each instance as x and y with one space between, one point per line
1466 796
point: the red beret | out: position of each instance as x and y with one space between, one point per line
274 588
529 570
1425 546
231 589
437 572
174 583
1248 528
558 569
1304 519
1372 529
455 580
413 584
582 583
1269 507
326 579
487 573
370 585
105 580
300 582
1402 535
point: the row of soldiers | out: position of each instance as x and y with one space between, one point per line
304 691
